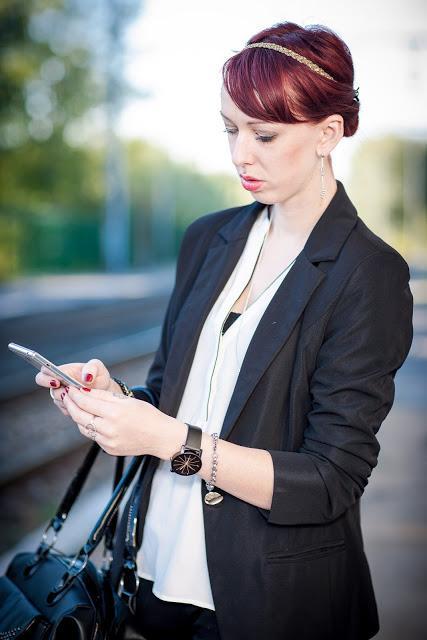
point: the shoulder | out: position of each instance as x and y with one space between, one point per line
197 239
206 225
199 233
367 254
366 270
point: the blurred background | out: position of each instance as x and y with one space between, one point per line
111 143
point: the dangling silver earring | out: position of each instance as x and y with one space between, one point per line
322 178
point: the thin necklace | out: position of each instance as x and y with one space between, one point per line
258 261
240 319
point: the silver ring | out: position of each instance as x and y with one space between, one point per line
91 429
51 395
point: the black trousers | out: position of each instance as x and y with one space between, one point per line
157 619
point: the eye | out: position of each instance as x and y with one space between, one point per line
261 138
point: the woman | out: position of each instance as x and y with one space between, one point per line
287 323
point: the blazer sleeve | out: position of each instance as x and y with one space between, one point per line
190 257
367 339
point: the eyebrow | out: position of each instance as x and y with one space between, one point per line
248 122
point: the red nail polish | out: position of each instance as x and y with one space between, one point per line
67 389
88 377
53 383
62 396
85 389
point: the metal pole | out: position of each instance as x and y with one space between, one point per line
116 230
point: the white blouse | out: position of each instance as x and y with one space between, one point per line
173 553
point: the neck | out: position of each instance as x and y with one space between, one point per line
297 216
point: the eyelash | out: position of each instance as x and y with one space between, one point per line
262 138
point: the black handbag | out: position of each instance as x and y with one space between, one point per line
52 596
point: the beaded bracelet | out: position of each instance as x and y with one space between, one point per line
125 389
213 497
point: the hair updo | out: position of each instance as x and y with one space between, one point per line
271 86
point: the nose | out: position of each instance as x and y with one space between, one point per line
241 150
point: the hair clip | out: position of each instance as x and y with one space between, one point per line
356 95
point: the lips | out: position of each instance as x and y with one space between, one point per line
250 183
248 178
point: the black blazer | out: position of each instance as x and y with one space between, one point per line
316 383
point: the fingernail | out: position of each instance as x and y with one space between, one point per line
53 383
88 377
67 389
62 395
85 389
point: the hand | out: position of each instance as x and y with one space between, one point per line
124 426
92 374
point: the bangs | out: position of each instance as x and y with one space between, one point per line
261 88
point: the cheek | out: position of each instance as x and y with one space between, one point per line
292 160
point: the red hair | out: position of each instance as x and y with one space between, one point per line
269 85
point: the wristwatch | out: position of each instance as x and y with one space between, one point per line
189 461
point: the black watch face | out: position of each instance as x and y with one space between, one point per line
186 464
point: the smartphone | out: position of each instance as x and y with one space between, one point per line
39 361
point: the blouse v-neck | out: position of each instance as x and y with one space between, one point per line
235 315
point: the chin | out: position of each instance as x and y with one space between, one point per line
262 199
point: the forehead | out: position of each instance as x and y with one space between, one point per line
231 110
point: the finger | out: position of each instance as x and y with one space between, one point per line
95 401
100 439
44 378
83 417
58 400
76 413
57 394
107 396
62 408
84 431
92 369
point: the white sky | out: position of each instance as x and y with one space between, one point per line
177 48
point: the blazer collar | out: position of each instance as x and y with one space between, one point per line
325 239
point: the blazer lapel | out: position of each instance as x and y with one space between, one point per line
221 258
281 315
272 332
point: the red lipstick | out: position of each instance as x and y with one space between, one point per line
250 183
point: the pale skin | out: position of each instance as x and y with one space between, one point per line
289 165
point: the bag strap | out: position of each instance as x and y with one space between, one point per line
81 559
140 393
111 528
129 579
71 495
144 393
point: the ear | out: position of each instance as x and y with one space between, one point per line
331 130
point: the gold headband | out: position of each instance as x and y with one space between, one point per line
277 47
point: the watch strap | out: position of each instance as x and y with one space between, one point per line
194 437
